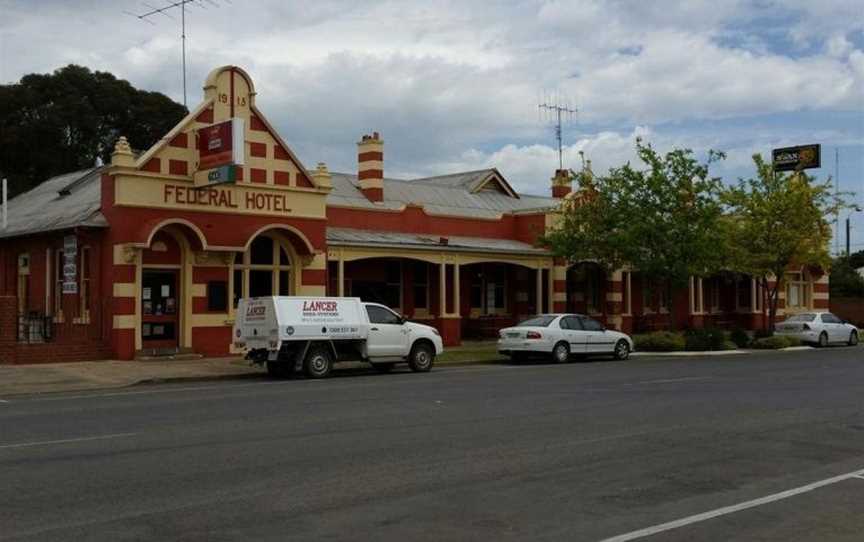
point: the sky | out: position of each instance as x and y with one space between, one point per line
454 85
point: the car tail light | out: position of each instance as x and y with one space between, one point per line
533 335
805 327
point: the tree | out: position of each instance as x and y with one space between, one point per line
777 222
662 221
60 122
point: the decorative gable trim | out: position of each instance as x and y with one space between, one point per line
495 176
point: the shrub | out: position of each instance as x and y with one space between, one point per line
775 342
739 337
705 339
761 334
659 341
729 345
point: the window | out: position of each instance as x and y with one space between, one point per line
714 295
386 291
829 318
538 321
380 315
263 270
797 291
217 296
421 286
590 324
570 322
489 289
803 317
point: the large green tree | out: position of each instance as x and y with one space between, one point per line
777 222
660 218
60 122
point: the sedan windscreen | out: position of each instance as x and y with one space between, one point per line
540 321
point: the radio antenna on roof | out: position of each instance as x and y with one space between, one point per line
558 112
164 10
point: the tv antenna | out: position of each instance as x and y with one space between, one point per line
164 10
558 112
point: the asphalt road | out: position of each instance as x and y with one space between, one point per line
761 447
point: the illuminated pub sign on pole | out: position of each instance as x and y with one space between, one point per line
220 149
797 158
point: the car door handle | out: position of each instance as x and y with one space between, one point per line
373 329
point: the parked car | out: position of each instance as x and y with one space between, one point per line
310 334
561 336
820 328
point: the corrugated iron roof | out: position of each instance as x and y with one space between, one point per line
62 202
450 197
358 237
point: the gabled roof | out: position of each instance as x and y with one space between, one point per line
62 202
472 181
455 194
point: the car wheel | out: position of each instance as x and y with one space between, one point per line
853 338
823 340
421 358
318 363
561 353
383 367
622 350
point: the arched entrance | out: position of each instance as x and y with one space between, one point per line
163 286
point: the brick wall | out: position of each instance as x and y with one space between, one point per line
849 308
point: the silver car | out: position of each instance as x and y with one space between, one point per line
820 328
562 336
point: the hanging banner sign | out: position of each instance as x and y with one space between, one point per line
221 144
795 158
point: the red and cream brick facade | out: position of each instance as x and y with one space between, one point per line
161 256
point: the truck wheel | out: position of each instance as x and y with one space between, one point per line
383 367
318 362
421 357
278 369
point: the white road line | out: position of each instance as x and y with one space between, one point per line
3 401
859 476
649 531
65 441
669 380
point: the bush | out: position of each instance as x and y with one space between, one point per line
739 337
705 339
762 333
774 342
729 345
659 341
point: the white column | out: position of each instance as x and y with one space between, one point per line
442 288
753 306
340 277
692 296
629 307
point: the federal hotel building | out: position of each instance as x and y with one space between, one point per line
147 256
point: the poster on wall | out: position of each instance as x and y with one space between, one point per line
70 267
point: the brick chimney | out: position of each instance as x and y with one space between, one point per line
562 183
370 166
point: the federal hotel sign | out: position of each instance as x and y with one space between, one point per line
226 198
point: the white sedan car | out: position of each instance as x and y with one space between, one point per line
562 335
822 328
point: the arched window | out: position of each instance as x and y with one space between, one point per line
264 269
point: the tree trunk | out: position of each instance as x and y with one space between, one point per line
773 301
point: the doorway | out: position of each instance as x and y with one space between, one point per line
160 309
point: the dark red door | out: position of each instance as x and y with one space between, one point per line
160 309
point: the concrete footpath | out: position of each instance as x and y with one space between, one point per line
91 375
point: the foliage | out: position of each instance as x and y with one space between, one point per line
659 341
661 220
845 279
762 333
700 340
61 122
739 337
776 222
856 259
774 342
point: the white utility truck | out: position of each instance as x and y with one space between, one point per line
291 334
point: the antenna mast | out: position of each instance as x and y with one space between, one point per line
170 5
558 113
